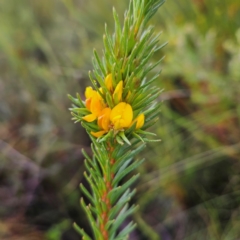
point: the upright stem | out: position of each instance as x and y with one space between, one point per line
106 204
116 114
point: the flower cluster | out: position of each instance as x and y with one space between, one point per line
119 117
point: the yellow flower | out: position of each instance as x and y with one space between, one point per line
140 121
89 92
98 134
108 82
90 117
103 122
121 115
104 119
117 95
94 103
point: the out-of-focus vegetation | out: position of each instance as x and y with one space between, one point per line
190 182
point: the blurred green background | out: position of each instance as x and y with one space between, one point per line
190 182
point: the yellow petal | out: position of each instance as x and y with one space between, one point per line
121 115
108 82
88 103
98 134
90 117
89 92
116 118
97 105
104 119
140 121
117 95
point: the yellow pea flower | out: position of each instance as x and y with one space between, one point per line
103 122
97 106
90 117
108 82
89 92
121 115
117 94
140 121
104 119
94 103
98 134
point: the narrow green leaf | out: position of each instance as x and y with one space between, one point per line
150 123
114 80
122 166
123 172
92 221
109 100
152 116
105 137
152 140
131 129
137 136
119 140
128 155
117 29
151 67
81 232
100 80
123 233
77 101
121 202
124 213
124 138
94 188
151 80
114 194
85 191
99 62
80 111
90 126
155 107
148 100
146 133
94 84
